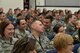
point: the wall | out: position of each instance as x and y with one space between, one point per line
6 4
32 4
62 2
73 9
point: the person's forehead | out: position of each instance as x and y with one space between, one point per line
22 21
9 26
73 16
37 22
46 20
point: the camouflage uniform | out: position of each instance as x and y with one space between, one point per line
49 33
76 37
45 43
19 34
54 22
6 46
70 29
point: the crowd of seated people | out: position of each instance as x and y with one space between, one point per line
49 29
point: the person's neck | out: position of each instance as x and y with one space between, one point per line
7 38
35 34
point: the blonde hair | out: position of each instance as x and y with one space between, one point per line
77 22
61 40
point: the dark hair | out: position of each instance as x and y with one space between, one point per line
28 17
56 12
3 25
56 28
25 45
60 11
19 14
49 17
78 11
40 14
18 21
1 13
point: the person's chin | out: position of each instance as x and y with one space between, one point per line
10 36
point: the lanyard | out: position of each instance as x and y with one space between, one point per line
39 42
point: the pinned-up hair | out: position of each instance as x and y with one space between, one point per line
24 45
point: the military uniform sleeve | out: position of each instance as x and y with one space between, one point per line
1 49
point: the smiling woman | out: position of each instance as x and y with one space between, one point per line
6 39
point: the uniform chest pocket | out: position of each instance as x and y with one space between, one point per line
7 48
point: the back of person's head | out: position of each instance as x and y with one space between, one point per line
62 40
24 45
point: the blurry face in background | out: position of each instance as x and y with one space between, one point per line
57 16
3 17
17 11
9 31
62 14
41 18
1 10
62 29
47 23
73 19
10 12
23 24
30 20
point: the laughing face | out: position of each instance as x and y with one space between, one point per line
9 31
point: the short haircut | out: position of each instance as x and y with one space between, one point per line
19 14
49 17
28 17
24 45
18 21
62 40
3 25
35 21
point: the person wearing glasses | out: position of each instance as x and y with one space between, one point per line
63 43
